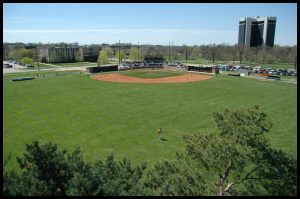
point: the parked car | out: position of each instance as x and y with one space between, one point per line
256 69
29 65
276 72
295 73
271 72
247 67
290 72
229 67
279 70
235 68
268 69
223 67
283 72
7 66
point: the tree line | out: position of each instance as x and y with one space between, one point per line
235 159
236 54
107 53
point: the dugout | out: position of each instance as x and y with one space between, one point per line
206 69
100 69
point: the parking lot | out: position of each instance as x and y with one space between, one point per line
259 70
17 68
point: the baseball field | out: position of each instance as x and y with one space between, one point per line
104 117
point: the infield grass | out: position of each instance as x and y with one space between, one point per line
150 74
122 118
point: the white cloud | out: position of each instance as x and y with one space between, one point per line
9 20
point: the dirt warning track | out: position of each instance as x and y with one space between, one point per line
175 79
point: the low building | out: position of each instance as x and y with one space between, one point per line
68 54
60 54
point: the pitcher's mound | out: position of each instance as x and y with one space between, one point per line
175 79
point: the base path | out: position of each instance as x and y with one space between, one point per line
174 79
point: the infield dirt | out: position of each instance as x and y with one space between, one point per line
175 79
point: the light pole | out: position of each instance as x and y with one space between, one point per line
172 50
37 57
138 51
186 55
119 53
169 52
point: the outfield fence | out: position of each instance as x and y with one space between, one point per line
58 74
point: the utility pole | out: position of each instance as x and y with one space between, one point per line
119 53
172 50
186 55
138 51
37 57
169 52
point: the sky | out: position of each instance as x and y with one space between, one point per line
158 24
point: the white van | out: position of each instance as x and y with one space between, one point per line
256 69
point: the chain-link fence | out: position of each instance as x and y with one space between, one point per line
58 74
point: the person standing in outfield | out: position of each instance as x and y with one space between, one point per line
216 71
159 131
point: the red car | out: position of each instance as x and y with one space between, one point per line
7 66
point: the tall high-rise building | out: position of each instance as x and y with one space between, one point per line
257 31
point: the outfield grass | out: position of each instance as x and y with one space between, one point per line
10 76
123 118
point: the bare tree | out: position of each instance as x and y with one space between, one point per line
240 49
234 52
210 51
275 53
293 56
249 54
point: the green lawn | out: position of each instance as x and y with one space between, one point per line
150 74
75 64
123 118
42 65
9 76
